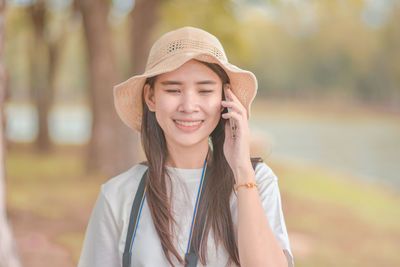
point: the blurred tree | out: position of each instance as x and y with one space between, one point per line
8 251
113 147
144 17
390 54
44 57
314 49
217 17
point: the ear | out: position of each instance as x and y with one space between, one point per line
149 97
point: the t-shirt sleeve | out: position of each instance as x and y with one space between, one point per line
271 200
100 246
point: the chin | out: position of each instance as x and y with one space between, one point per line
188 141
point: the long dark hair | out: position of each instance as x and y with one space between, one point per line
218 189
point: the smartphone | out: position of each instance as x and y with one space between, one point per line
231 122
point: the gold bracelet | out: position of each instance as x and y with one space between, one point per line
249 185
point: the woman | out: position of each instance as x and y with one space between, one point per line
202 201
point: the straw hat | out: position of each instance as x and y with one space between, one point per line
168 53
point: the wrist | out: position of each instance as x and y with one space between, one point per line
244 174
248 185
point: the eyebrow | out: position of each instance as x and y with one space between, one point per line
180 83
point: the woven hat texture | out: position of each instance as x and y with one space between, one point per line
168 53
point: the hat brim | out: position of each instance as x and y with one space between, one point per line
128 94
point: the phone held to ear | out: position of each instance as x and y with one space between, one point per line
228 109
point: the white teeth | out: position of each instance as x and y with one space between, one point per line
184 123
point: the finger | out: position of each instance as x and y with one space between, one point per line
231 95
228 133
237 118
235 106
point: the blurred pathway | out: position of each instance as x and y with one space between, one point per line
35 241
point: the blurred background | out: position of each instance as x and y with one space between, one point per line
325 119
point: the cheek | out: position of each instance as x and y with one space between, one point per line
214 108
164 107
164 104
214 114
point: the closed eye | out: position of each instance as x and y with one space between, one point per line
172 91
177 91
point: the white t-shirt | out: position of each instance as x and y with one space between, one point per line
108 225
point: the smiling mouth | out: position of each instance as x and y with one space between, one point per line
188 123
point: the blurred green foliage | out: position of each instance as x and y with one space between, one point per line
297 49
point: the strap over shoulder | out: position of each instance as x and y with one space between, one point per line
146 163
255 161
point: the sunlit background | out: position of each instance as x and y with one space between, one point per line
326 116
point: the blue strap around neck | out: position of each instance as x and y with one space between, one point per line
194 213
197 204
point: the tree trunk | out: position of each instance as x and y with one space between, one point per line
41 91
144 17
43 67
8 251
113 147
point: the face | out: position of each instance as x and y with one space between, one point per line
187 103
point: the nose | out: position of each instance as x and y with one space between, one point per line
189 102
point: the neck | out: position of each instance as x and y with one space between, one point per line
187 157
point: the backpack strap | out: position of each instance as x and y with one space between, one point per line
190 258
255 161
133 220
